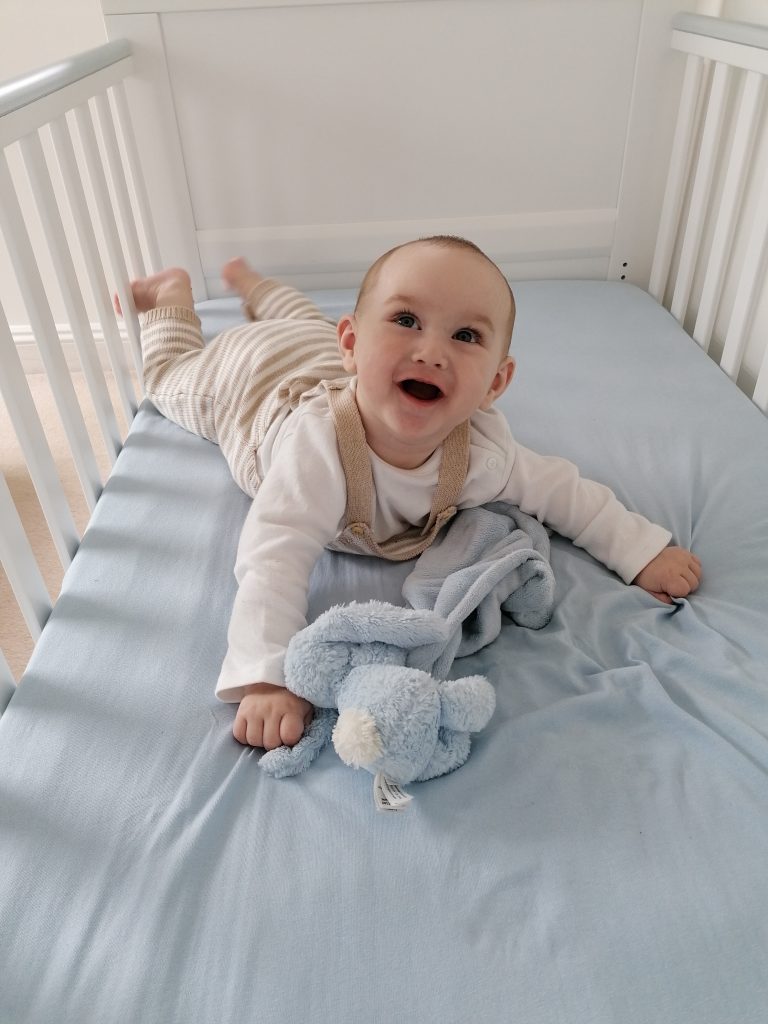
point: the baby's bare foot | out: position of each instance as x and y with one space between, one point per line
239 277
171 287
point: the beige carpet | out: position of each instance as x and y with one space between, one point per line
15 640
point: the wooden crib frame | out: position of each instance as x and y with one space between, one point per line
73 121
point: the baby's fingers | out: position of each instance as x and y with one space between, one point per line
693 577
682 583
248 729
292 728
239 729
686 573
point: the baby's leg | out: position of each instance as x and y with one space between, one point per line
267 299
239 277
175 361
171 287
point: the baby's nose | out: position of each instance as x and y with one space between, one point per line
429 348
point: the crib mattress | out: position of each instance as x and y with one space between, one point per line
600 858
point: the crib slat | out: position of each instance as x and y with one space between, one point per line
119 185
42 189
678 174
44 328
65 155
137 176
42 468
20 566
751 280
741 150
701 187
109 228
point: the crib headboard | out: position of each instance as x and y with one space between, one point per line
314 136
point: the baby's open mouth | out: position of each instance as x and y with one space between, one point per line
421 389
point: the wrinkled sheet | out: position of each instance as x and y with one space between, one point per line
600 858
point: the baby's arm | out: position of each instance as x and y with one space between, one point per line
295 513
591 516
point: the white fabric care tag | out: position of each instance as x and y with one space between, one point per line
388 796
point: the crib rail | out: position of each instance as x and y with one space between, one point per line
71 194
709 264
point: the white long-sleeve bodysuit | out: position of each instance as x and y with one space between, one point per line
300 505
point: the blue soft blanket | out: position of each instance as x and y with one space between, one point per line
490 559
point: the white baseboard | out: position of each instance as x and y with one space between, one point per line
545 244
29 354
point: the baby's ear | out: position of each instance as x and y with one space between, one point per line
346 332
500 382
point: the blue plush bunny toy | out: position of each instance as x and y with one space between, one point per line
376 672
392 718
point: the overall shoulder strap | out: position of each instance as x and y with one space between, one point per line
353 450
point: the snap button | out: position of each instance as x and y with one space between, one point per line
491 463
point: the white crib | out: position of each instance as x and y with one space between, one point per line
178 143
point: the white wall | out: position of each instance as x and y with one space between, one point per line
755 11
38 32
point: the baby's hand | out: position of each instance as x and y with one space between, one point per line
674 572
270 716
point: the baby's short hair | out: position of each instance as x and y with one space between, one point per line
447 242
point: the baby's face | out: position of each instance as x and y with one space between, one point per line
428 347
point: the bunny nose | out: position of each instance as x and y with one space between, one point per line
356 738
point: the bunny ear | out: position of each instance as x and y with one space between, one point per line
319 656
314 668
377 622
467 704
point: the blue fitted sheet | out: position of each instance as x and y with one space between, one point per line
600 858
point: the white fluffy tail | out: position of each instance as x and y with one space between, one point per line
356 738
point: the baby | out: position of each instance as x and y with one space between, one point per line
366 436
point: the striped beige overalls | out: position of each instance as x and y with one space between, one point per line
231 390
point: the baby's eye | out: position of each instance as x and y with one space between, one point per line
468 335
406 320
